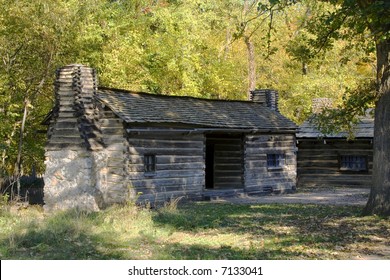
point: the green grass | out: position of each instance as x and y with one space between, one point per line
195 231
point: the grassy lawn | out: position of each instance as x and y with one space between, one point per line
200 230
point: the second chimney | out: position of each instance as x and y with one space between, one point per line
266 97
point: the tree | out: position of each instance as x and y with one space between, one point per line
349 19
252 19
378 21
36 38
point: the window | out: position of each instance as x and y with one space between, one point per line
353 163
150 163
275 161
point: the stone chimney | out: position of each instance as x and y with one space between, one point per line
73 136
266 97
319 104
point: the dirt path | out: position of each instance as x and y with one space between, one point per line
337 196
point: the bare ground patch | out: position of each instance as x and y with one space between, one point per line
335 196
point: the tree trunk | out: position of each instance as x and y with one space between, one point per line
379 200
18 164
251 65
304 68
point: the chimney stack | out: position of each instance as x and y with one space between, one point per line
266 97
75 90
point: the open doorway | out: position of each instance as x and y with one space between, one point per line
224 161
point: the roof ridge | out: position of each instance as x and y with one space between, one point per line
173 96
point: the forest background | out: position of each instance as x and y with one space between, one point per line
218 49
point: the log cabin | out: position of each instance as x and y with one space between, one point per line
335 160
106 146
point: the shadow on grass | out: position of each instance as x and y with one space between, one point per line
249 218
179 251
291 231
254 232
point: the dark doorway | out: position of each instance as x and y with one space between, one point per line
224 161
209 165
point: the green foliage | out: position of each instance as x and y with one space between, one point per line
35 38
172 47
346 115
355 26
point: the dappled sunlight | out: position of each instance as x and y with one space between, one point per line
196 231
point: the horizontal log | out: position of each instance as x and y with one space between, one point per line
66 114
219 140
168 167
172 135
329 146
165 151
66 132
225 186
258 151
271 144
268 182
313 164
168 189
271 137
165 182
227 167
227 181
330 171
112 130
63 124
110 123
168 144
66 120
167 159
70 139
306 156
112 139
160 174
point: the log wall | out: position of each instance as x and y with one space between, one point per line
260 178
180 165
110 174
319 163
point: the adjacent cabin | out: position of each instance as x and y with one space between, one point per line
106 146
335 160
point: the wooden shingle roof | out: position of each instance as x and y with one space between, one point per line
363 129
143 108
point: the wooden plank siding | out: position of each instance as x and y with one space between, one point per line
179 169
258 176
319 162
